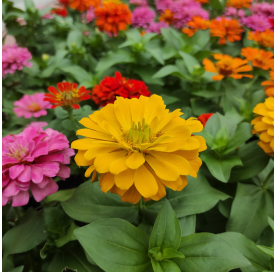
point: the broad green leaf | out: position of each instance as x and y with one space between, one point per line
69 236
169 37
197 197
248 249
251 207
168 265
216 5
155 50
207 93
208 252
169 253
18 269
221 139
74 39
61 195
267 250
23 238
112 58
78 73
271 223
200 38
166 232
166 70
89 204
29 4
146 74
133 34
147 37
169 99
254 160
190 62
187 224
156 266
225 207
220 168
116 245
61 113
72 258
242 134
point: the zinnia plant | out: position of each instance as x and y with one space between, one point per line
265 38
139 148
30 160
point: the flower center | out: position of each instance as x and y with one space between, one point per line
18 153
139 133
34 106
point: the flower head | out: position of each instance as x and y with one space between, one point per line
195 24
14 58
156 27
60 11
89 15
238 4
227 67
258 57
67 95
269 89
167 16
256 22
203 118
226 29
141 3
265 38
113 17
29 161
31 105
139 148
264 125
142 17
265 9
82 5
111 87
233 12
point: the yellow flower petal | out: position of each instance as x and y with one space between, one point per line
88 123
116 190
119 165
125 179
89 171
135 160
202 142
83 144
94 134
195 165
80 159
97 150
122 112
194 124
184 183
106 182
132 195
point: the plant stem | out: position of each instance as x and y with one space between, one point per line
268 179
70 114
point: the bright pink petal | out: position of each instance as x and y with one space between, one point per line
16 170
40 193
5 200
40 149
49 169
52 157
36 174
21 199
25 176
11 189
64 172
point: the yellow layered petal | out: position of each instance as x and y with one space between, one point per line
135 160
125 179
106 182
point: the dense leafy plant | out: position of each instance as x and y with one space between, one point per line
216 218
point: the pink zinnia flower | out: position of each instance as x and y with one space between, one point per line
31 105
162 5
142 17
38 124
156 27
29 161
233 12
88 15
256 22
140 3
14 58
265 9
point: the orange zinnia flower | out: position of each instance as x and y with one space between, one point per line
82 5
167 16
113 17
226 29
265 38
239 3
202 1
258 57
227 67
67 95
269 89
196 23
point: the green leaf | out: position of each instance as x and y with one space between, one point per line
187 224
61 113
254 160
74 38
208 252
168 265
251 207
156 266
80 74
146 74
268 250
29 4
207 93
242 134
169 253
216 5
190 62
169 99
220 168
248 249
23 238
271 223
69 236
85 208
72 258
221 139
166 70
155 50
197 197
172 37
18 269
61 195
166 232
116 245
113 58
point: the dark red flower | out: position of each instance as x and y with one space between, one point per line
271 20
64 2
203 118
110 87
60 11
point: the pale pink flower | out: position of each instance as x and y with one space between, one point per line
31 105
38 124
88 16
156 27
29 161
14 58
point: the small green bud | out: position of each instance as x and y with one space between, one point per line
45 57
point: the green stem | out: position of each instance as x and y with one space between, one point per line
70 114
268 179
140 204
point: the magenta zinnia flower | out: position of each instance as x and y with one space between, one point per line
29 161
141 3
256 22
142 17
265 9
156 27
233 12
31 105
14 58
88 16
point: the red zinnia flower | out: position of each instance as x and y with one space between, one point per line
203 118
60 11
67 95
110 87
64 2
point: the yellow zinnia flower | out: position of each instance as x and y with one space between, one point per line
138 147
264 125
